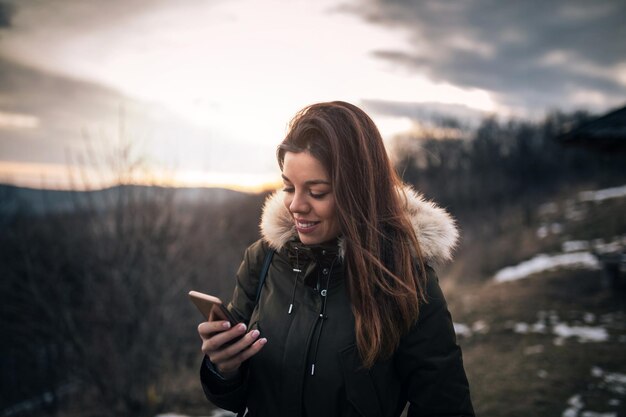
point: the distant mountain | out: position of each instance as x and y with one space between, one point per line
40 201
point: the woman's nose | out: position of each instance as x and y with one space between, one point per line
298 204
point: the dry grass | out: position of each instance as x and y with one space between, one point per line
514 374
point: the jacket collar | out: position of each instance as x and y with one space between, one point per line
435 229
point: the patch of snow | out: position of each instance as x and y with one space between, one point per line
575 246
462 329
589 318
529 328
615 245
604 194
599 246
223 413
549 316
546 229
548 322
542 262
575 404
614 381
521 328
480 326
570 412
542 232
583 333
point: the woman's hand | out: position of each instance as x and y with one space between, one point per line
226 357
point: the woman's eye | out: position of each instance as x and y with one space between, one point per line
318 195
288 189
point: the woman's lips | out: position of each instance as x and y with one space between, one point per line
306 226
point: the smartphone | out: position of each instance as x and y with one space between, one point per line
212 307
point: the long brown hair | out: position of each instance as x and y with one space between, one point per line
383 263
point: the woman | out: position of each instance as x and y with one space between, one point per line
350 320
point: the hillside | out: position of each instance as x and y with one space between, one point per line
543 330
40 201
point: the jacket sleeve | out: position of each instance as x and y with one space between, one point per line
430 363
231 394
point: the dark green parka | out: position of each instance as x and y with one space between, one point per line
310 365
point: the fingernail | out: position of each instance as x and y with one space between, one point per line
263 341
242 326
226 325
255 333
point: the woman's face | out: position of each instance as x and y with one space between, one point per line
309 198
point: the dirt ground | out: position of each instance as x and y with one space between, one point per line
517 359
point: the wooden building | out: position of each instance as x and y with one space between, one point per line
605 133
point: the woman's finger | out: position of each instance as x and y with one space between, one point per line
216 341
207 328
234 363
252 350
230 351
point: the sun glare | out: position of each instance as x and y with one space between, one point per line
228 79
63 177
18 121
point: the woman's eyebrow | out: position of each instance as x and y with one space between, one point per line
315 182
309 182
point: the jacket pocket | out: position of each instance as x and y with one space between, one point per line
360 389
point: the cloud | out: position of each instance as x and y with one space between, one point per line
425 112
531 55
61 107
43 116
72 15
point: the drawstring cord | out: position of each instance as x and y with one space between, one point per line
297 270
322 315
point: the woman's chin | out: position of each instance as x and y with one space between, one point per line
308 239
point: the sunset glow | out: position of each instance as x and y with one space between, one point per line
62 177
213 84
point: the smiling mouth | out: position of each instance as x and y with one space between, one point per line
306 227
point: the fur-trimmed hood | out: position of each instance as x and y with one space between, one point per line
435 229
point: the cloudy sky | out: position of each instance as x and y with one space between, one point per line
205 88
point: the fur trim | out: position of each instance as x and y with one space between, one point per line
435 229
277 227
